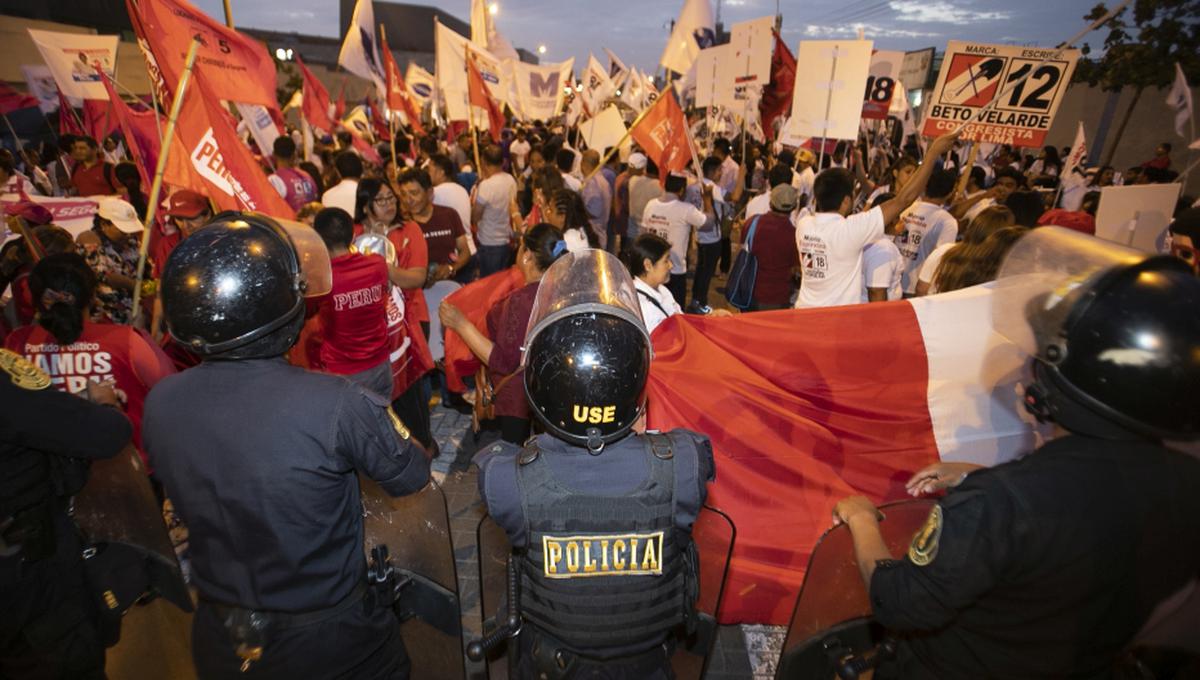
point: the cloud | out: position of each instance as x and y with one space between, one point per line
871 31
942 12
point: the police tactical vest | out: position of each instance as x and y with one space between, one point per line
605 571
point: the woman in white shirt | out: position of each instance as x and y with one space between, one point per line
992 219
649 261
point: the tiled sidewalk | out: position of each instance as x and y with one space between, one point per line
747 652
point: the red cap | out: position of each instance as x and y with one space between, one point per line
186 203
31 212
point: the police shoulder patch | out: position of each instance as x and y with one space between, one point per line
924 546
602 555
23 372
398 425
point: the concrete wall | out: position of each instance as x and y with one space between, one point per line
1151 123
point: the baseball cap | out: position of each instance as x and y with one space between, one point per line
31 212
121 214
784 198
186 203
806 156
637 161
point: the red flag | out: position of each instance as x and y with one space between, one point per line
475 300
663 135
777 95
478 95
398 98
11 100
339 111
139 129
315 105
235 181
68 122
98 118
378 124
237 67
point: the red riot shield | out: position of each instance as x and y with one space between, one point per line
833 597
714 534
416 531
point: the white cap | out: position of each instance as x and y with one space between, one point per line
637 161
121 214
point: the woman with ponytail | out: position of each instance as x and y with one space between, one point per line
65 343
566 210
500 349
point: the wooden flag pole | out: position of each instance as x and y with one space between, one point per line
156 186
828 105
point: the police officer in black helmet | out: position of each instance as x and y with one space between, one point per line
260 459
600 517
1047 566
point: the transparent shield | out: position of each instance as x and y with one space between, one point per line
833 598
713 533
313 255
1046 270
416 531
588 280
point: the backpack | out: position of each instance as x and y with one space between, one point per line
739 289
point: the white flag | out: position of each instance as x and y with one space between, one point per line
72 58
1180 99
597 87
634 90
420 83
1078 154
262 128
41 85
360 49
485 35
604 129
617 70
694 31
296 101
540 88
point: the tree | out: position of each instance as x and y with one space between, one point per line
293 81
1143 53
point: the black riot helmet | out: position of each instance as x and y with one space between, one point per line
587 353
1115 334
235 288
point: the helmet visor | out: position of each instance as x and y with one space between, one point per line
589 280
1041 278
313 256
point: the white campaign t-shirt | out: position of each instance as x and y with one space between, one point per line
929 269
673 220
519 151
654 314
924 226
979 207
496 194
572 182
831 256
883 267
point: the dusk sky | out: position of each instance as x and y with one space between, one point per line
637 29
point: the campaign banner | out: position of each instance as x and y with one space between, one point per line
827 96
914 70
540 88
881 84
71 213
451 57
420 83
72 58
41 85
974 74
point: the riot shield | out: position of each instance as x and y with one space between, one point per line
117 508
713 533
416 531
832 618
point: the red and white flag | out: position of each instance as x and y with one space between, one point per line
663 135
236 67
398 98
832 402
478 95
314 104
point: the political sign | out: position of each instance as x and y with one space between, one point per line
1137 216
973 75
540 88
710 88
749 65
881 84
72 58
914 70
827 97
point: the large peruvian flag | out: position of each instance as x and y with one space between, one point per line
805 407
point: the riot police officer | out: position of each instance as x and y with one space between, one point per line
49 625
600 517
260 459
1047 566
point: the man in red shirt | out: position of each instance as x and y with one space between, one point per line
354 324
774 244
92 176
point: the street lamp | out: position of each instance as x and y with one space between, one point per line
541 49
493 8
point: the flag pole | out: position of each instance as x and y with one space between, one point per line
391 132
156 186
828 105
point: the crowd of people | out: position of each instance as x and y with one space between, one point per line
867 222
